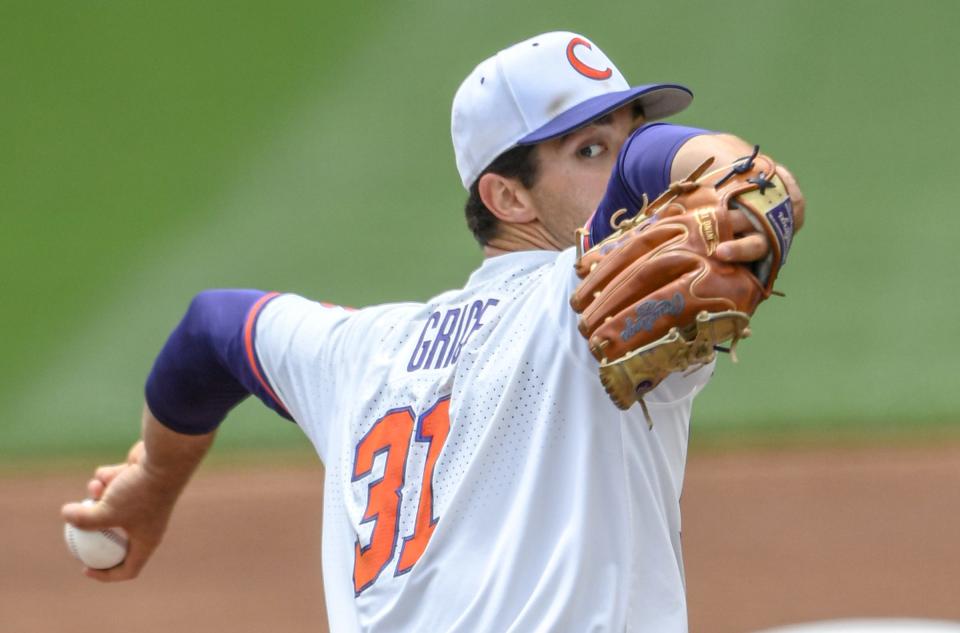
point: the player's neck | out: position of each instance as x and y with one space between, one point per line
512 238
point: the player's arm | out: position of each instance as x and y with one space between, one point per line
206 367
139 495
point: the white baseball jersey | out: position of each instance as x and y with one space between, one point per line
478 478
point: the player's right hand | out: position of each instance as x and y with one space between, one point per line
105 474
127 496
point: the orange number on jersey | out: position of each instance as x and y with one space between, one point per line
391 435
434 426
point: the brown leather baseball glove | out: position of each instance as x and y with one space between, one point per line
653 297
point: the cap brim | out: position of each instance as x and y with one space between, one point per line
657 100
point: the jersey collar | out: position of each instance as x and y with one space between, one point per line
518 262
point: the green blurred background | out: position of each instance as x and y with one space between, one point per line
150 150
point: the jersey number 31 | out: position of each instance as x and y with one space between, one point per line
391 435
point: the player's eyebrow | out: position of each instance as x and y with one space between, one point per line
606 119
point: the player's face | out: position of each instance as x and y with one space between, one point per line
573 170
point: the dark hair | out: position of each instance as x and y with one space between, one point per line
519 162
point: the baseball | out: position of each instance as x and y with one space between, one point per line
97 549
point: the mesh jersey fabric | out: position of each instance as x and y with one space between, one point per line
551 509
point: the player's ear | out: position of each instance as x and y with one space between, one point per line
506 198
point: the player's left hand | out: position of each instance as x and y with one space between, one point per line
749 244
670 286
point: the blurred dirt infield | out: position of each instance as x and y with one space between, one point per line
769 537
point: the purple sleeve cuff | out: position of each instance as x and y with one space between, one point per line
643 167
208 365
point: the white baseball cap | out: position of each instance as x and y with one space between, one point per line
541 88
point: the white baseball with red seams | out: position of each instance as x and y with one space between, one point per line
97 549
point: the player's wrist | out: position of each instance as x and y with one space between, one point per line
168 459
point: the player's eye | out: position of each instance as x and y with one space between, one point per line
591 151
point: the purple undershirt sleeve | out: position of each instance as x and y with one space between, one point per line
207 365
643 167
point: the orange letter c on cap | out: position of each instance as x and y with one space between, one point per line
579 66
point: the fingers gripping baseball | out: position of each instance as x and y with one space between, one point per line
102 478
105 474
130 498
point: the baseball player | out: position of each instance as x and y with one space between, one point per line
478 478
